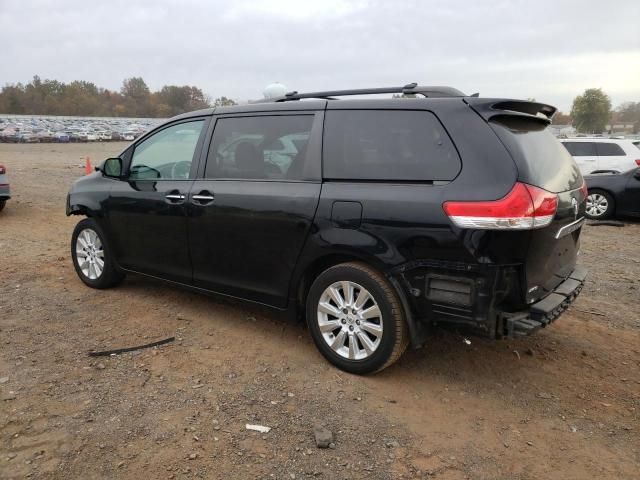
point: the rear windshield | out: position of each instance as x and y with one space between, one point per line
541 159
387 145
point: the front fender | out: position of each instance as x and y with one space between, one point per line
87 196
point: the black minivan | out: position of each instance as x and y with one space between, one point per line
377 218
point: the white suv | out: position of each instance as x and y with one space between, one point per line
603 154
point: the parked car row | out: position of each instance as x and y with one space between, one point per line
5 192
65 129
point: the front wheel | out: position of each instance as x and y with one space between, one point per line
2 204
356 318
92 257
600 205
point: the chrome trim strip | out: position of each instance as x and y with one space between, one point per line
572 227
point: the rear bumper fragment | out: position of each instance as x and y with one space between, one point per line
547 310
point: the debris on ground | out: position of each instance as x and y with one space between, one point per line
323 436
258 428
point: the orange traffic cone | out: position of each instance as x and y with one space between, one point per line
88 169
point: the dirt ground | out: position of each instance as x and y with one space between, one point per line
563 404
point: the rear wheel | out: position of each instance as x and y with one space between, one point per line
600 205
92 257
356 319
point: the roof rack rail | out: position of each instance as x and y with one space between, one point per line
409 89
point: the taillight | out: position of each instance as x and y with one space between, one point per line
523 208
638 162
3 170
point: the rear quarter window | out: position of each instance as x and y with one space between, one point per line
540 158
581 149
609 149
387 145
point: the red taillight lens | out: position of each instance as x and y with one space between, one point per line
3 170
638 162
523 208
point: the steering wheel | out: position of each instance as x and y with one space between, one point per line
144 172
180 169
271 168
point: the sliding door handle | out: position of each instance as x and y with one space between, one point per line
202 198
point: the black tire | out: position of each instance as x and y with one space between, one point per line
394 337
610 205
2 204
110 275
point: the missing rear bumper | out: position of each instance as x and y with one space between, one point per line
547 310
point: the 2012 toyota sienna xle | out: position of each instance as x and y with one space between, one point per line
375 218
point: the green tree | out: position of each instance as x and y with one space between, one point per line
591 111
223 102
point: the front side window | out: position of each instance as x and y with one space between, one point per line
581 149
264 147
609 149
387 145
167 154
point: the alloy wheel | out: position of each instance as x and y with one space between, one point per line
90 254
597 204
350 320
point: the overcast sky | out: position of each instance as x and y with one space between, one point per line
549 50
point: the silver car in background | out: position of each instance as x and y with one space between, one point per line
5 193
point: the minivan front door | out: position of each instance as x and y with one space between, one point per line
147 214
251 213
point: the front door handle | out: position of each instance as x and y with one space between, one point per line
202 198
174 196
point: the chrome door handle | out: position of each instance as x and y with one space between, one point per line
174 196
203 198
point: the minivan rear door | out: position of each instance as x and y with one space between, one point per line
253 204
544 163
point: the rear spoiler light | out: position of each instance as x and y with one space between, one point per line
525 207
488 108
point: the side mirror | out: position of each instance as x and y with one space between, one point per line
112 167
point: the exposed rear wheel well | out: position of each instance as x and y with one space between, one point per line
315 269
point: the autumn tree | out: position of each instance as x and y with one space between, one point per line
591 111
629 112
50 97
561 119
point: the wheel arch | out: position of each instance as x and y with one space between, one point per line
417 331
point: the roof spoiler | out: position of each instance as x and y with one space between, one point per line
488 108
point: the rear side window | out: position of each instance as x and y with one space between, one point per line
609 149
541 159
387 145
581 149
264 147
